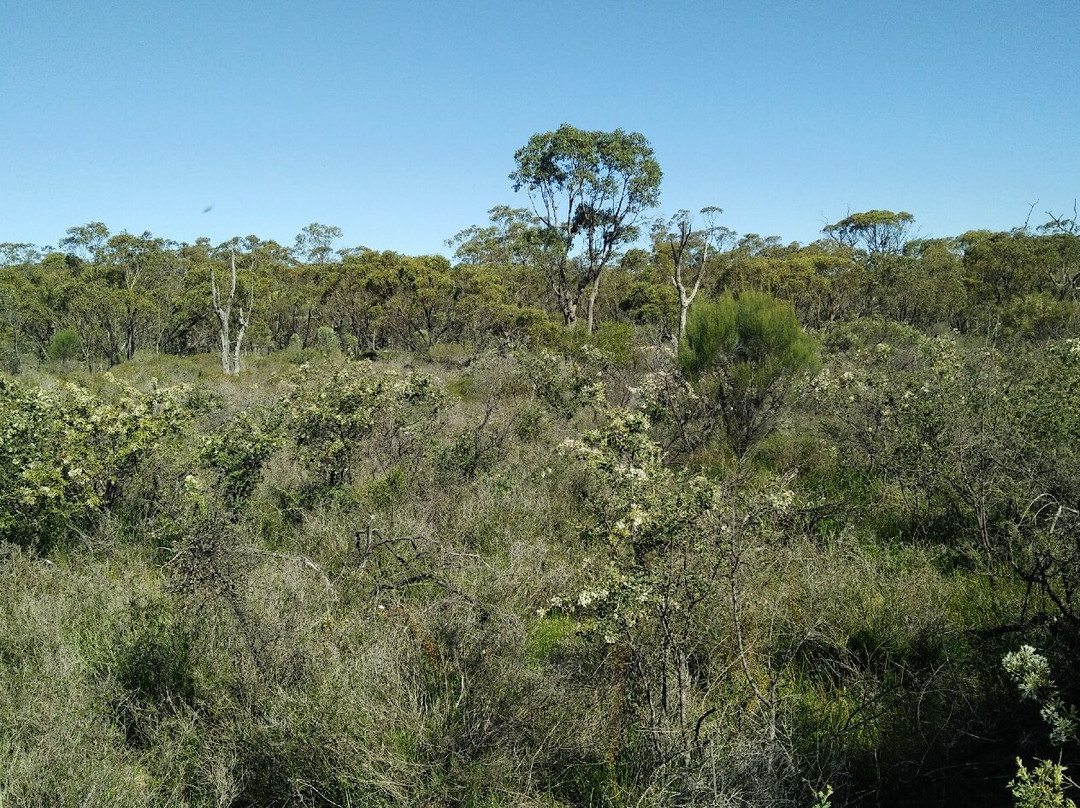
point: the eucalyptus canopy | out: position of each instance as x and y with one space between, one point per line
878 232
588 190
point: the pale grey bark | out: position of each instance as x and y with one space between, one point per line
230 350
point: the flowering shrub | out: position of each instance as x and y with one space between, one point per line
919 420
562 384
665 601
1042 787
1045 784
64 452
335 420
1045 406
239 450
1031 672
638 503
892 403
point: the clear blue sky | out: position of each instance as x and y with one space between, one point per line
397 121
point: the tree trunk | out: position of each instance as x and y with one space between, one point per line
686 298
230 364
592 302
224 336
239 342
568 306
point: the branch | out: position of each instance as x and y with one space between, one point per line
302 560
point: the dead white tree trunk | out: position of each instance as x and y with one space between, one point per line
685 242
230 351
592 302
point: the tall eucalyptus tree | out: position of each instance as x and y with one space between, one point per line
588 190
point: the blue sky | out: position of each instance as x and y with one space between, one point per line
398 121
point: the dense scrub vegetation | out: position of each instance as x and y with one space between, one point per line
434 547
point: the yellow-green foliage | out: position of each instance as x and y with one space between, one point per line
333 412
1041 787
486 583
65 452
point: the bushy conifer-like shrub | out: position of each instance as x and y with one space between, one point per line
744 354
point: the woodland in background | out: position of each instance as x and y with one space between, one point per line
101 298
791 525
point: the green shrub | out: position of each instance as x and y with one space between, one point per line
610 345
450 354
529 424
239 451
295 353
562 384
66 453
1042 787
350 346
388 491
152 666
745 354
65 345
335 419
326 340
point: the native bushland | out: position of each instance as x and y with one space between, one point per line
760 531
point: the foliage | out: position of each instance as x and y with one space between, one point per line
333 417
65 344
1042 787
587 190
66 453
326 340
817 279
919 416
432 549
823 799
239 451
1030 671
671 606
1045 784
877 232
560 383
745 353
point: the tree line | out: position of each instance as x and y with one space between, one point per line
590 243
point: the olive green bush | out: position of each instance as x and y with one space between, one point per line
66 453
239 450
744 354
337 414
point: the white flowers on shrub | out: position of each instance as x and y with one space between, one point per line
590 596
782 500
1031 672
